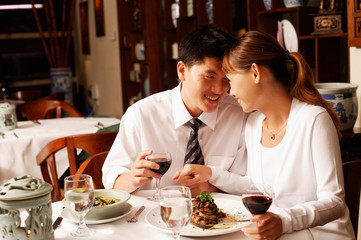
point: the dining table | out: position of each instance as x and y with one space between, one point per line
145 228
20 146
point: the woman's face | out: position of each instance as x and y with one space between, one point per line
243 88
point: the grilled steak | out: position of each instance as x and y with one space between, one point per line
205 212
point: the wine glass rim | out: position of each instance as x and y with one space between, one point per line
77 177
174 187
158 154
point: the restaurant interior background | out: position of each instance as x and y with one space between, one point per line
125 49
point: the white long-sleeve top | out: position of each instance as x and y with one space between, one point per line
305 171
158 122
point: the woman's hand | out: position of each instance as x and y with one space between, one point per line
268 226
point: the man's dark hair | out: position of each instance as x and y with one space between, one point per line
204 42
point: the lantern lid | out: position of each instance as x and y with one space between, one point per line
24 187
6 106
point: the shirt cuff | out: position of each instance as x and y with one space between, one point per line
109 179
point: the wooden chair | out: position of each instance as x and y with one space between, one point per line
90 143
46 160
20 109
26 95
93 166
352 178
35 110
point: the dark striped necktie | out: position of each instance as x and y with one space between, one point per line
193 151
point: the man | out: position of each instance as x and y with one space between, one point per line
159 123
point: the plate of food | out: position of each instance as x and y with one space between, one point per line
230 216
289 36
109 205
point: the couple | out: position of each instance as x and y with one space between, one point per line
291 134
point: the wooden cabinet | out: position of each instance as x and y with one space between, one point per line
192 14
141 48
150 22
327 54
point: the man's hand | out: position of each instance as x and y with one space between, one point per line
139 174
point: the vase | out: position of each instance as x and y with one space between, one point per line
267 4
293 3
209 10
344 101
62 82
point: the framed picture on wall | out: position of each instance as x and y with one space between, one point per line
84 27
99 17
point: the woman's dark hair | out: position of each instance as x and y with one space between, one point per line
204 42
263 49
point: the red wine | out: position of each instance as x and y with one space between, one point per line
164 165
257 204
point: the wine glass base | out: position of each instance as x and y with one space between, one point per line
154 198
83 232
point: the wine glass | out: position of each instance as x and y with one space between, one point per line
258 198
164 160
175 207
79 196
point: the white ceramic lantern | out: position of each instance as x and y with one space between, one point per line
8 120
25 209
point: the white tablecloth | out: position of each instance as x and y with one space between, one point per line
20 146
121 229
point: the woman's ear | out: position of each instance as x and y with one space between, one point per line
181 69
256 73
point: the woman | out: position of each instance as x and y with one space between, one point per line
292 142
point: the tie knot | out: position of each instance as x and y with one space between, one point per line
195 123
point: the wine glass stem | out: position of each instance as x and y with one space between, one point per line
176 235
157 183
82 225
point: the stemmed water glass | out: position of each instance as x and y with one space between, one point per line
258 198
175 208
164 160
79 197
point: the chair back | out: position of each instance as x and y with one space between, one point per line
44 109
26 95
90 143
93 167
46 160
352 178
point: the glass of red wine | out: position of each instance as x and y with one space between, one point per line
258 198
164 160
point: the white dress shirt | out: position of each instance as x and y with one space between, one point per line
305 171
158 122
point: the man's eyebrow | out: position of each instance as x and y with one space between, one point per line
209 71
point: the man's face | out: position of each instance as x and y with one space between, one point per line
203 85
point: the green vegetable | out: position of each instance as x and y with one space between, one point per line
205 197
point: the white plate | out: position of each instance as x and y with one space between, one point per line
231 207
289 36
68 215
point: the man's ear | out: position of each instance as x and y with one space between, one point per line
256 73
181 69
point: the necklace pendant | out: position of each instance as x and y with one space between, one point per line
273 137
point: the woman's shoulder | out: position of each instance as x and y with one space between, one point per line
304 109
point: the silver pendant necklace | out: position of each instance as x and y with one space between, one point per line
273 135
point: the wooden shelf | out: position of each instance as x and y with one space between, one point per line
327 54
333 35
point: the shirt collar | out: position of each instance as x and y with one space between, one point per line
182 116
